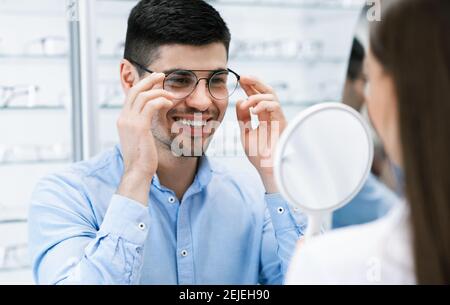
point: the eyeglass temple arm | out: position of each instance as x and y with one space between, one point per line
139 65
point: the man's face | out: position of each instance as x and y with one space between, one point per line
354 92
192 120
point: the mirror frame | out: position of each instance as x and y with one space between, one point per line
293 125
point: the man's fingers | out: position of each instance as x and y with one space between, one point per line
256 84
143 85
255 99
269 106
156 105
147 96
243 115
270 111
249 90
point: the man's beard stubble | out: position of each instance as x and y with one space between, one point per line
166 141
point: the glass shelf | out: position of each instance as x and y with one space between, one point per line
111 107
32 57
315 5
5 220
318 60
13 213
26 108
310 4
109 57
277 60
46 8
32 162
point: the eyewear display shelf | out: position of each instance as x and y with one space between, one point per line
35 117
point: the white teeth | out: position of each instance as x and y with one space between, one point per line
192 123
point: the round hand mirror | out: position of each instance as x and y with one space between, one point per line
322 160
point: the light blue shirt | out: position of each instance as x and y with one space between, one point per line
371 203
226 230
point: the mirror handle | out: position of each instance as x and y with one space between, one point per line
314 227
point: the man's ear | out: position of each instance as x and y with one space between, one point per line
128 75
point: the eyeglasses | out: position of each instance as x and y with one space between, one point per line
10 93
181 83
277 49
34 153
47 46
14 257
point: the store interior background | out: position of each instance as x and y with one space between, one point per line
299 47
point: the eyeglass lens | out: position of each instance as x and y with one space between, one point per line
182 83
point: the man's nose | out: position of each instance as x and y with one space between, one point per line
200 98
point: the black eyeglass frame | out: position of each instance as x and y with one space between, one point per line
208 79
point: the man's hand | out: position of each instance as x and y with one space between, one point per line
139 152
260 143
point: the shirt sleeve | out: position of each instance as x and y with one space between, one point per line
282 229
372 202
67 245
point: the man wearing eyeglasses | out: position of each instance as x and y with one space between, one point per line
141 213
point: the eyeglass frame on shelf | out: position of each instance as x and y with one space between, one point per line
38 153
15 92
14 257
208 79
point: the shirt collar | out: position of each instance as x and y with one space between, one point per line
204 172
201 179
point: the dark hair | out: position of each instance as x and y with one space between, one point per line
412 43
356 60
153 23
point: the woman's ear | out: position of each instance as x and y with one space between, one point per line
128 75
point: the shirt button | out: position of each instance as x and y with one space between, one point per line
184 253
142 226
171 199
138 250
280 210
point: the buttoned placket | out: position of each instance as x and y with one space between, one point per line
185 257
